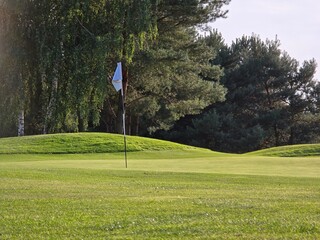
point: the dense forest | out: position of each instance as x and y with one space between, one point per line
57 59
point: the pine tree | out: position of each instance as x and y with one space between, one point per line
270 100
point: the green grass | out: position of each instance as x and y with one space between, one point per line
108 204
83 143
290 151
113 143
169 191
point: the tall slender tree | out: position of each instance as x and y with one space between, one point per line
12 68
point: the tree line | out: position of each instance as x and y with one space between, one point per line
271 101
57 59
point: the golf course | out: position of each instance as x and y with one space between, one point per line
76 186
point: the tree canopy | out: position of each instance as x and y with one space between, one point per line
271 101
57 58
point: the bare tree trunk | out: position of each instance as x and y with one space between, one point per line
21 113
276 134
52 101
137 125
129 124
21 123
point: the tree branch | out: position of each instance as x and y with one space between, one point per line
86 29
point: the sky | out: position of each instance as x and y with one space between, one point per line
295 23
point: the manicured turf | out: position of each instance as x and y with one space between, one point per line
83 143
170 161
290 151
168 192
106 204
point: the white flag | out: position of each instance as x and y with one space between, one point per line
117 77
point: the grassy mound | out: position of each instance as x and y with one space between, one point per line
83 143
73 143
305 150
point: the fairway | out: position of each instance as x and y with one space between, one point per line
170 161
166 193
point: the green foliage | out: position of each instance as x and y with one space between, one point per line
215 131
57 67
60 54
175 79
169 77
271 101
267 88
68 49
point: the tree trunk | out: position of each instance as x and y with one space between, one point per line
21 123
276 134
81 127
137 126
129 124
119 124
52 101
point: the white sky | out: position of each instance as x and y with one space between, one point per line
296 23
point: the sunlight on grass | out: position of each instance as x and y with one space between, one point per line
83 143
290 151
169 191
103 204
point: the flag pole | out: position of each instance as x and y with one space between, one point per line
118 85
124 128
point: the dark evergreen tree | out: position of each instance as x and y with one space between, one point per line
165 81
268 97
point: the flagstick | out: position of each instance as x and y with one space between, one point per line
118 84
124 129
